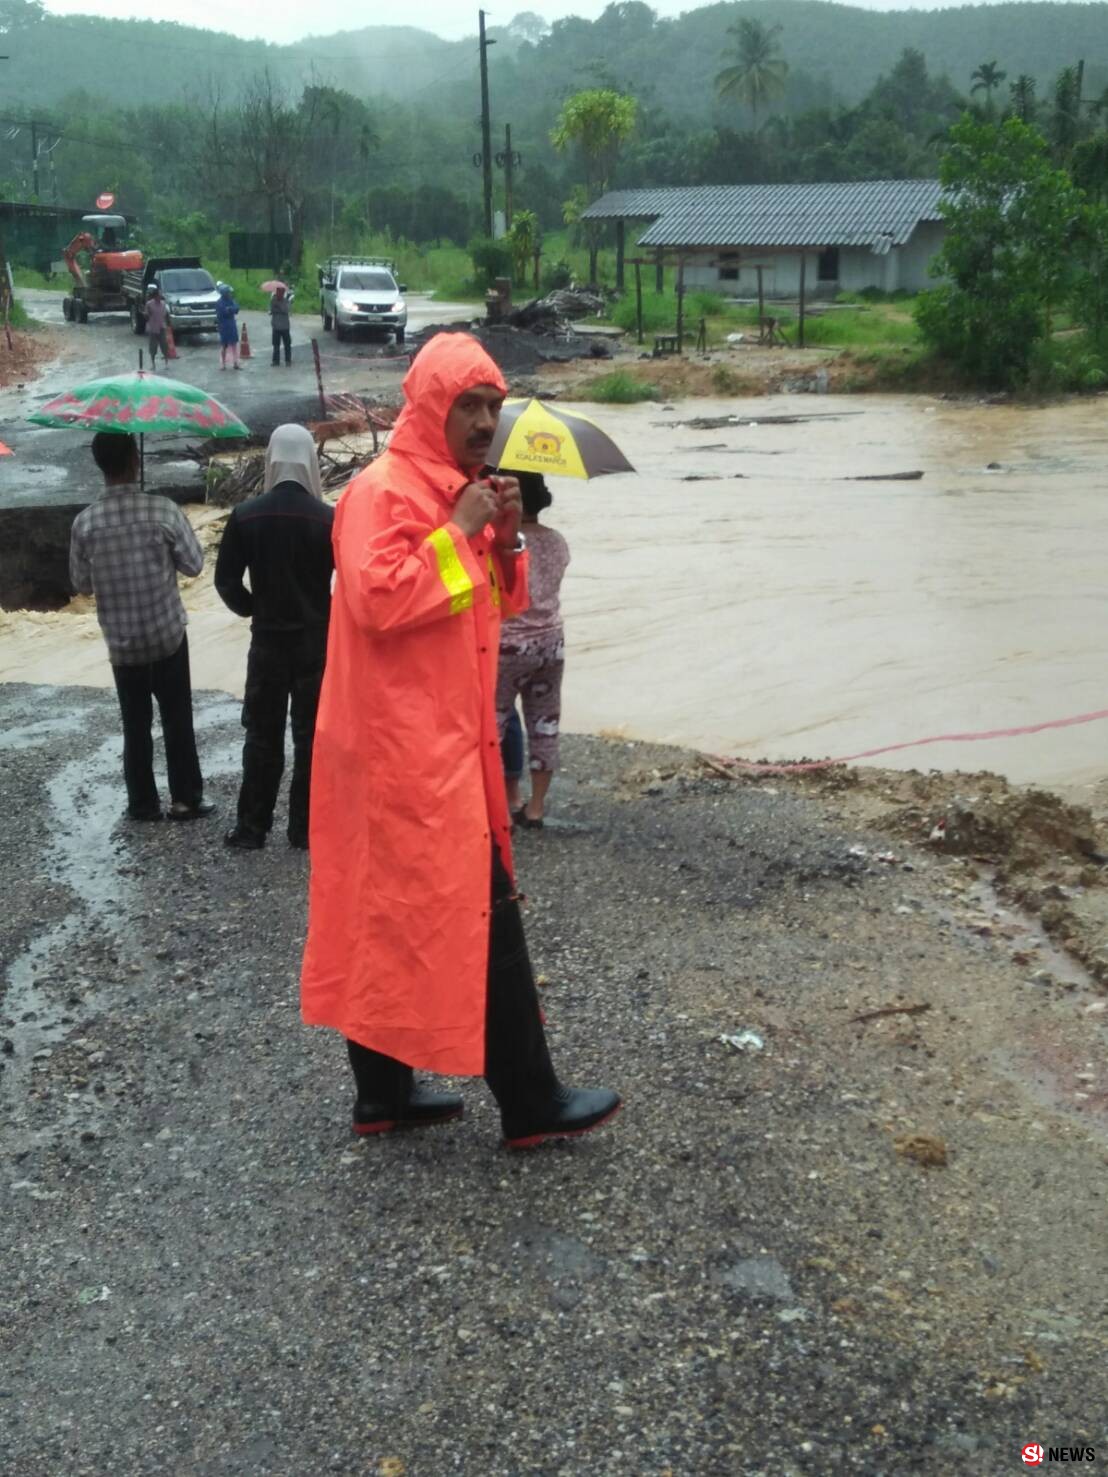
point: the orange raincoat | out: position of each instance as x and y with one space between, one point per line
407 785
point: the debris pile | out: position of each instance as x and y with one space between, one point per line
230 483
552 315
518 351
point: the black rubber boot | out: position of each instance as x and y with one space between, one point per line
573 1111
534 1106
389 1097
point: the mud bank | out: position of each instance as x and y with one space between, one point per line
753 1270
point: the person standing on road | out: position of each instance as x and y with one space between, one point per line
126 549
283 538
226 315
532 657
280 321
415 948
157 326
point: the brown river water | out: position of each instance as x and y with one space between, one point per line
794 613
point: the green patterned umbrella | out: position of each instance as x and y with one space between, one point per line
144 404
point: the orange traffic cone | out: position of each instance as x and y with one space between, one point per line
170 341
244 345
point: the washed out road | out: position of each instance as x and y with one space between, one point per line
54 466
747 1273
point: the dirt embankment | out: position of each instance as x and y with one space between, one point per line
1006 847
24 357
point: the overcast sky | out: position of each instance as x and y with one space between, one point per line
285 21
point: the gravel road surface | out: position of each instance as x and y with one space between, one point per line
747 1273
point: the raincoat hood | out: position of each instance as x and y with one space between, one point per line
291 457
447 366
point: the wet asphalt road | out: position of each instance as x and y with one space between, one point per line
54 466
204 1274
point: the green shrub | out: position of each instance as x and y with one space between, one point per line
491 259
659 312
1073 364
620 388
556 276
725 381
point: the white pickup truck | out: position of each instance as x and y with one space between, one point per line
361 292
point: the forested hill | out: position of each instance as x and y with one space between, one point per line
835 53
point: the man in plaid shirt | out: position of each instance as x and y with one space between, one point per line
126 549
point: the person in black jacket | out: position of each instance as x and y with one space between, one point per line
283 538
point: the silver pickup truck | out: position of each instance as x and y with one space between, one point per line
361 292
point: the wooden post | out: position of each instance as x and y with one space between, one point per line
800 321
681 305
659 272
638 296
319 379
486 123
508 201
761 301
538 260
620 246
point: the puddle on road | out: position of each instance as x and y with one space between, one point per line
91 856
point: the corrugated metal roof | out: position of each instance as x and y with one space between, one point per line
638 205
874 213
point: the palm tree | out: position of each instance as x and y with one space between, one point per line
760 72
1022 95
986 78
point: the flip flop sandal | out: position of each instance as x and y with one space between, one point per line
528 823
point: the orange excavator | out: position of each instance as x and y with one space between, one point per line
101 289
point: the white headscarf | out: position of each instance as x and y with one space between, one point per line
291 457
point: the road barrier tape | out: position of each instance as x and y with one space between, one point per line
938 738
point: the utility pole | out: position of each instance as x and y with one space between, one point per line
508 161
486 123
34 159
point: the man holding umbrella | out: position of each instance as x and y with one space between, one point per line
415 948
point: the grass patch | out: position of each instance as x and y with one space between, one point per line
910 368
659 312
18 316
28 277
619 388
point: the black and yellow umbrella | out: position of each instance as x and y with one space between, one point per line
533 437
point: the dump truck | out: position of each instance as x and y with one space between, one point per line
99 289
187 287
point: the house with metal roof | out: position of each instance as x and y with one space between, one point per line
782 239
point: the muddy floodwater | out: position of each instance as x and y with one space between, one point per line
780 609
794 613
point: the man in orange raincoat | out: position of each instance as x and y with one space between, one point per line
415 946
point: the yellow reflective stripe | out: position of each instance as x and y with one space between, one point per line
494 583
452 571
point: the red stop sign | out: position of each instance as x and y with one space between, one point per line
105 201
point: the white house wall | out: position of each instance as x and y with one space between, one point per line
917 254
901 267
